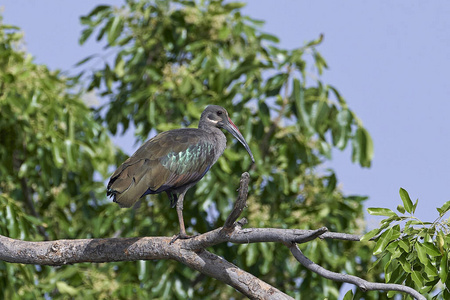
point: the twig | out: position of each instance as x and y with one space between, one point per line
361 283
252 235
239 205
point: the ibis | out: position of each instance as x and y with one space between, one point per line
173 161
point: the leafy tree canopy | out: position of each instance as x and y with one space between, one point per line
51 147
171 59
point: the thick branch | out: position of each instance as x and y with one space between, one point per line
219 268
63 252
189 252
192 253
361 283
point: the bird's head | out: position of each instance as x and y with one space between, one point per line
217 116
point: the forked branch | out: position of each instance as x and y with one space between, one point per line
364 285
192 252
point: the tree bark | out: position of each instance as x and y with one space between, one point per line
192 252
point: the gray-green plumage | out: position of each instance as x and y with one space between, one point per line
173 161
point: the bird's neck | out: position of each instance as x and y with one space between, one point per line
217 136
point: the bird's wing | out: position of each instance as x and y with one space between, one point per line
171 160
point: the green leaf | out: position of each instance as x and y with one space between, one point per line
119 66
382 242
179 289
115 30
348 295
415 206
98 9
377 211
344 119
446 293
404 245
401 209
11 218
441 242
444 208
407 203
160 285
57 159
234 5
417 278
422 255
275 83
319 115
443 268
264 113
362 147
320 62
405 264
391 294
269 37
370 234
83 61
316 41
303 117
251 254
225 166
368 149
331 184
64 288
85 35
431 249
69 151
268 257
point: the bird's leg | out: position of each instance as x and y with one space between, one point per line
180 216
182 234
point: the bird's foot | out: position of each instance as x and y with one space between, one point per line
182 236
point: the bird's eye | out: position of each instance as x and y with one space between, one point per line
219 112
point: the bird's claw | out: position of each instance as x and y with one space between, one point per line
182 236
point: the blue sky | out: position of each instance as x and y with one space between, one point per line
389 59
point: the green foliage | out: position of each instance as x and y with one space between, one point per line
171 59
413 252
50 149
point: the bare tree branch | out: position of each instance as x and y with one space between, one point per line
192 252
240 204
189 252
361 283
341 236
62 252
252 235
219 268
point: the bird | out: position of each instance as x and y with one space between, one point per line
174 161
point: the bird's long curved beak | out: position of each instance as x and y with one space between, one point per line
231 128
